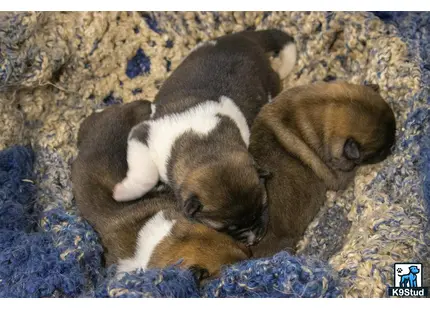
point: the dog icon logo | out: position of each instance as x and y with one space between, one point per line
408 279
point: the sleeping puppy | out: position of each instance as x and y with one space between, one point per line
197 140
145 233
313 138
168 238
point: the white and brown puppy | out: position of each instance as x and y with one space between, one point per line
146 233
197 140
312 138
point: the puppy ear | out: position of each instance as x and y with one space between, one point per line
191 206
199 273
375 87
351 149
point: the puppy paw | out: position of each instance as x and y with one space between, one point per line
119 192
199 273
126 192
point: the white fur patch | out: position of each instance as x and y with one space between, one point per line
284 63
147 160
150 235
201 44
153 109
201 119
142 174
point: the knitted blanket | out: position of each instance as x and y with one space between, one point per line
58 67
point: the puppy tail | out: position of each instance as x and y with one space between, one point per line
280 43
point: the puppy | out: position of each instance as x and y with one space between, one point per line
168 238
313 138
197 139
145 233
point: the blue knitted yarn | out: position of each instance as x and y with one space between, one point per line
16 190
282 275
415 30
35 263
168 283
139 64
151 21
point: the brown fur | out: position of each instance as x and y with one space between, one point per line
102 141
101 163
198 246
312 138
213 178
217 183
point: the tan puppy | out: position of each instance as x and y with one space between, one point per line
145 233
312 138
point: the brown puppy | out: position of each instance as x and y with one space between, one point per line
145 233
169 238
312 138
197 139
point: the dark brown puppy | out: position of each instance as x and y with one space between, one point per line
312 138
197 140
145 233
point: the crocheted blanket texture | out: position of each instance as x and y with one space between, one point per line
56 68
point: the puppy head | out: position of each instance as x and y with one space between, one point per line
202 250
229 196
359 126
114 119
